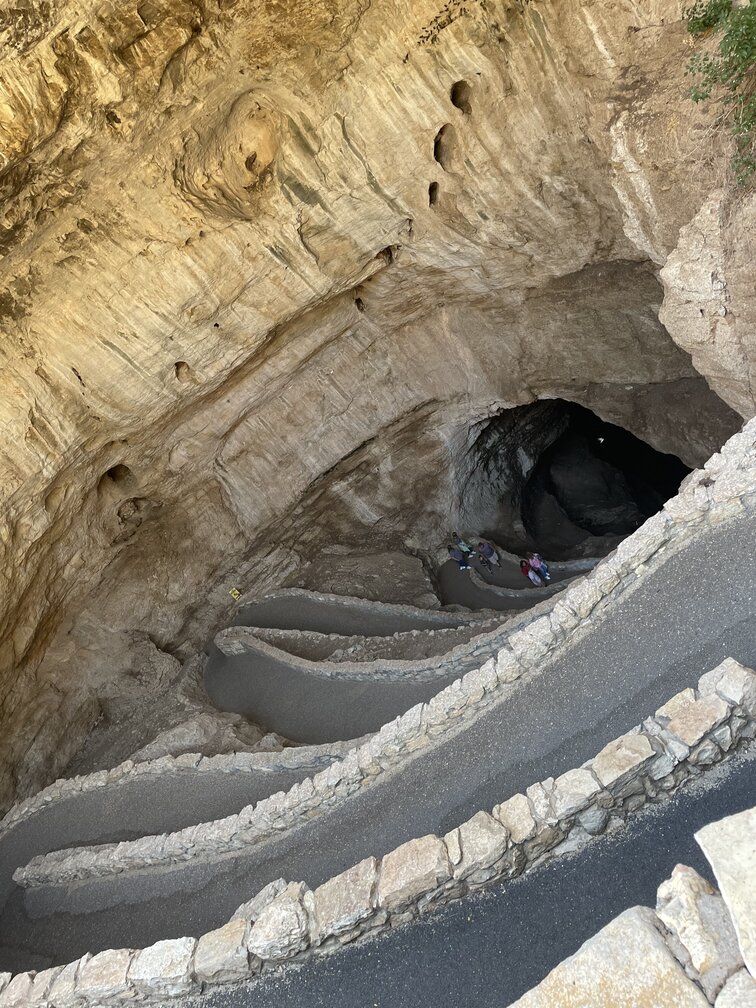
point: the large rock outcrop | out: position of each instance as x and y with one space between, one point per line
264 269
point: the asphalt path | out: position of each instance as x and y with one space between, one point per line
281 695
693 610
485 951
164 803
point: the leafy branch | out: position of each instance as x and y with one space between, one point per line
729 73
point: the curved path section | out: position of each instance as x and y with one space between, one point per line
324 701
647 645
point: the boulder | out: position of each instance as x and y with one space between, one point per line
738 992
626 965
708 947
730 846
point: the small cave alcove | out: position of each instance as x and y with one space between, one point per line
556 477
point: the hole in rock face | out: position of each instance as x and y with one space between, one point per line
553 475
116 483
183 372
443 146
118 474
460 96
433 194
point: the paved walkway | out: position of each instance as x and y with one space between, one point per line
688 615
487 950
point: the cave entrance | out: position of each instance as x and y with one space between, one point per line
555 477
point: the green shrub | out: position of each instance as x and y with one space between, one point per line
729 73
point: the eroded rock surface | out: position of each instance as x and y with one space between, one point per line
264 266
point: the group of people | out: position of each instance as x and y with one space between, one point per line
462 552
534 568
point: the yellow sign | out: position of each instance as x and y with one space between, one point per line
235 593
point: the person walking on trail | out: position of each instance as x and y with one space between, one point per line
538 564
532 574
459 557
483 559
461 545
487 552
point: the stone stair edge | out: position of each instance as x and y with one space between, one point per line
701 500
286 922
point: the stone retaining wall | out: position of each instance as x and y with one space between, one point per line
710 496
291 758
399 646
286 922
418 616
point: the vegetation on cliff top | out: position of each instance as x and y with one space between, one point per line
730 72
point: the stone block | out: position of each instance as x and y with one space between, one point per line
573 791
252 909
539 796
626 965
692 722
676 703
508 669
517 815
738 992
730 846
411 871
18 992
453 846
62 993
705 753
733 682
105 975
221 955
165 968
282 927
5 979
698 918
345 900
483 841
593 820
41 985
622 759
662 766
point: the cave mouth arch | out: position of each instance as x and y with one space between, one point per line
554 476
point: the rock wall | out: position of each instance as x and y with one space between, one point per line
264 267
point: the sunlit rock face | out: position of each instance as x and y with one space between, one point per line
265 266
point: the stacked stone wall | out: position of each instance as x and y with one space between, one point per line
286 921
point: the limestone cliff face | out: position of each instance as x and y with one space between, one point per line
264 265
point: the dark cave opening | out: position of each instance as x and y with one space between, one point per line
556 477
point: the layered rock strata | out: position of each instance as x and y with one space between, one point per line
264 267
